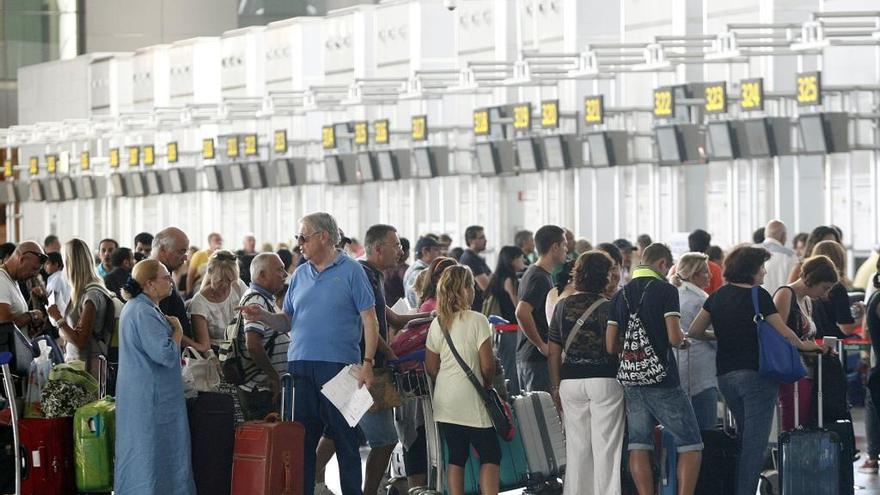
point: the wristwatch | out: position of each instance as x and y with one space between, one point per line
369 360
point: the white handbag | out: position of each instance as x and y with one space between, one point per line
200 373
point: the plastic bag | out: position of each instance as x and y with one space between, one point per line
200 374
38 375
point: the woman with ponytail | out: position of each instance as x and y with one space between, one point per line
152 431
459 411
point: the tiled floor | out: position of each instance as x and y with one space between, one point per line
865 484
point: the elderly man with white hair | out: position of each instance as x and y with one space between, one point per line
265 346
782 259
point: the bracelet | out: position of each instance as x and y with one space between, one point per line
369 360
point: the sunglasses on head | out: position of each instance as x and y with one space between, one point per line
43 257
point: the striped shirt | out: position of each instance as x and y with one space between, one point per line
278 357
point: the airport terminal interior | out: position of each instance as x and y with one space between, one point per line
615 120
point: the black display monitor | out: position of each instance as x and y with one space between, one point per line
425 166
529 154
601 151
256 175
387 165
723 140
154 183
284 172
670 145
87 187
487 159
367 167
213 179
12 195
333 169
175 181
119 186
237 179
759 138
137 187
36 190
554 153
68 188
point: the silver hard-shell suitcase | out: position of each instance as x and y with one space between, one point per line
542 435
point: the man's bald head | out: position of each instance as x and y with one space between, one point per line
169 247
775 229
26 260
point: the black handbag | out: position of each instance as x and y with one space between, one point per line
499 410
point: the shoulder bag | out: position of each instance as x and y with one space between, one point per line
499 411
777 358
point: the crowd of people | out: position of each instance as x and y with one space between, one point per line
573 307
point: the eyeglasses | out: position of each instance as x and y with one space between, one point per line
43 257
304 238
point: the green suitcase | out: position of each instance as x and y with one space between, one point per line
94 432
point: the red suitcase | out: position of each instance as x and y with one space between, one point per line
268 456
47 447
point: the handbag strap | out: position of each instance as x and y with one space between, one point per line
580 322
758 315
239 317
467 369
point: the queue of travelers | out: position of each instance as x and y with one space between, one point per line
569 310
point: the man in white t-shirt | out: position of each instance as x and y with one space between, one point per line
782 259
25 262
56 283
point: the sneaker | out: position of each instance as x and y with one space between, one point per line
321 489
869 467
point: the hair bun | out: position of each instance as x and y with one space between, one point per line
132 287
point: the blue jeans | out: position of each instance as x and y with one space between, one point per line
647 406
705 406
316 413
872 426
752 400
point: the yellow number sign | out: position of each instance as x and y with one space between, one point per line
522 117
134 156
419 130
481 122
380 131
114 158
716 97
280 144
149 155
550 114
594 110
751 94
84 164
809 88
360 133
663 102
328 137
7 168
250 145
208 148
172 152
34 165
232 146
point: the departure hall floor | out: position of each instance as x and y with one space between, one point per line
866 484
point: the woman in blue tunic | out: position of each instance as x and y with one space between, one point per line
152 432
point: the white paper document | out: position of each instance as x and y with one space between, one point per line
343 392
401 307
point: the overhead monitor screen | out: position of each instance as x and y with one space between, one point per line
12 192
118 183
54 190
68 188
175 180
365 165
813 133
424 162
331 167
137 184
255 175
720 139
282 173
387 168
154 185
598 150
236 177
554 153
486 159
525 149
758 138
669 145
87 187
212 179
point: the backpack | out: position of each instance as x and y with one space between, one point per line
639 362
109 335
411 339
236 365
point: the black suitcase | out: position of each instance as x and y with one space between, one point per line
212 433
718 467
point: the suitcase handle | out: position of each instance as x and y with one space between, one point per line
288 477
286 396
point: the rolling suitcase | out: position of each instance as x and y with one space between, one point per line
542 434
718 467
212 435
810 458
44 448
268 458
667 460
94 429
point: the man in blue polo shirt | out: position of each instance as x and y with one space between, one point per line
651 397
328 298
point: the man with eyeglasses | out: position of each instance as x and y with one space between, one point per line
25 263
170 248
329 308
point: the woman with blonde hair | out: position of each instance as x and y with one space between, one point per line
459 410
213 307
696 364
152 431
87 322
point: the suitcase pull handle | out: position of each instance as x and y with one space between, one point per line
288 477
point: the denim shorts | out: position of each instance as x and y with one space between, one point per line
670 407
378 428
